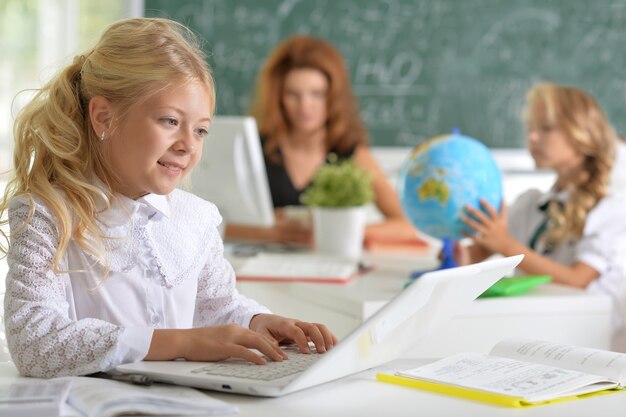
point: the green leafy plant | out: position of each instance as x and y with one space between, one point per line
340 184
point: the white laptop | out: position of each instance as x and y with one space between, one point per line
405 321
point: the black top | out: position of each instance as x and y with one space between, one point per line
284 193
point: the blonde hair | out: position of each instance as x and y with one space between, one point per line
56 152
345 129
583 122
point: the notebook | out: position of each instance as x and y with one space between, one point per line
405 321
510 286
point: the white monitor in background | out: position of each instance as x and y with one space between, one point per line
231 173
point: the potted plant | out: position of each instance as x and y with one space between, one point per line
338 196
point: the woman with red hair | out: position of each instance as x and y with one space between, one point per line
307 117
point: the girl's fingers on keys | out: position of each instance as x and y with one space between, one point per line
238 351
314 333
268 347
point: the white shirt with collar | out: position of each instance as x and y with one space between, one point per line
602 245
167 270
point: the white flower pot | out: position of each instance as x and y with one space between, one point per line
339 231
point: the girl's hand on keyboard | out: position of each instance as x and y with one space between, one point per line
283 329
213 344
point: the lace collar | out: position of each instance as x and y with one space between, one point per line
144 229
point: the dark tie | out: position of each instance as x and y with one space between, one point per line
541 229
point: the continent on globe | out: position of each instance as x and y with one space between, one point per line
444 175
432 188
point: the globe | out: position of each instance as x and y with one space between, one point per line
443 175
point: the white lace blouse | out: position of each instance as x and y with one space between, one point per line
167 270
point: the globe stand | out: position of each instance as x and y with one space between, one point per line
447 258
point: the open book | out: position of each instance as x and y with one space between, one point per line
38 398
519 373
308 267
94 397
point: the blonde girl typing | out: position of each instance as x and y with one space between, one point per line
108 261
575 232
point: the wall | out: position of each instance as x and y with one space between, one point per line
422 67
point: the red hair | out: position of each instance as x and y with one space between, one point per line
344 128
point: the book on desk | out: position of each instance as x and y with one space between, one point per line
520 373
400 246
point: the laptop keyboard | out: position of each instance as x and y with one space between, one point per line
296 363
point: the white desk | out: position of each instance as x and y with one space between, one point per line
361 395
552 312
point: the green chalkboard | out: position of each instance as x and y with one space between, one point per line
422 67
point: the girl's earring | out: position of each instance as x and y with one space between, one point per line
102 136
